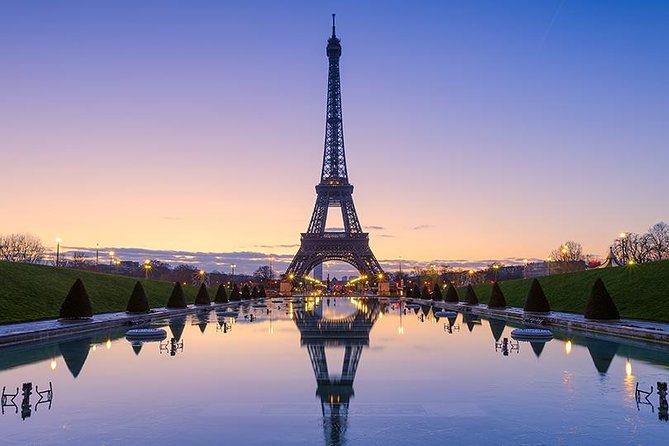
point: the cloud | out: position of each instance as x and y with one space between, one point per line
419 227
384 235
334 229
374 228
291 245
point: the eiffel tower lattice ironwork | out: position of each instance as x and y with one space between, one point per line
336 391
334 190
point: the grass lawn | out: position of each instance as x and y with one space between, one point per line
32 292
639 291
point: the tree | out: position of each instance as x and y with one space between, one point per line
415 293
138 302
246 292
202 297
425 293
177 298
658 241
221 296
24 248
77 304
263 273
262 294
497 299
570 251
600 305
536 299
451 294
634 247
79 259
470 297
234 294
255 293
436 292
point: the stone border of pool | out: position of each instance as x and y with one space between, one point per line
627 328
24 332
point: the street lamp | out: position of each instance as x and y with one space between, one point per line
111 259
623 243
147 268
58 251
233 266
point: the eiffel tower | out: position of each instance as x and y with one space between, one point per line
336 391
318 245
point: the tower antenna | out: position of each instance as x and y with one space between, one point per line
333 25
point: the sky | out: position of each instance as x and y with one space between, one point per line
474 129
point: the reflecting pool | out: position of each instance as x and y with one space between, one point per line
332 372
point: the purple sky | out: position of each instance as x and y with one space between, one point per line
474 130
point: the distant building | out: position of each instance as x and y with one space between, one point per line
318 272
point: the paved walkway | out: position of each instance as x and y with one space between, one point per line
54 328
629 328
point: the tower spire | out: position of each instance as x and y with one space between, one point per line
333 25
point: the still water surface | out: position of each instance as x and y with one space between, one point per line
343 372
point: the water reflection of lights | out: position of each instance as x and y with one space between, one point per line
108 344
53 364
630 387
567 346
567 381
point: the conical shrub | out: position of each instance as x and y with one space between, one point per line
221 296
497 299
601 305
234 294
202 297
436 292
415 293
77 304
246 292
407 291
262 293
177 298
255 293
425 293
536 301
451 294
470 297
138 302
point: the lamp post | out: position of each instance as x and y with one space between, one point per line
623 243
57 252
111 260
147 268
97 255
233 266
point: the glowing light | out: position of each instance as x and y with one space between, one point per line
108 344
567 346
623 235
631 262
58 240
53 364
95 347
628 368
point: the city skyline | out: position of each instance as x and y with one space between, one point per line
185 140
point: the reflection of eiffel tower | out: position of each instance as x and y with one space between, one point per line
352 333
